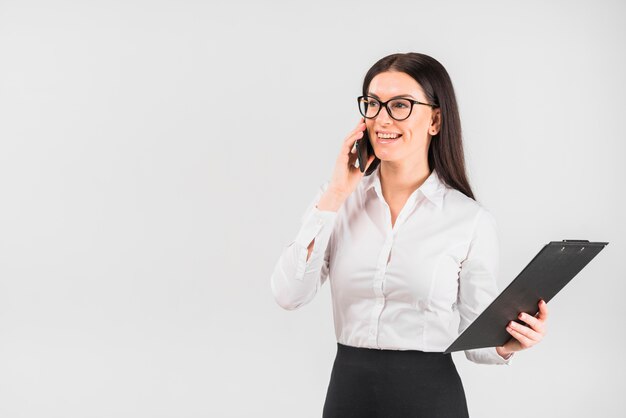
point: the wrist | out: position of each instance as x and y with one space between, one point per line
505 354
331 200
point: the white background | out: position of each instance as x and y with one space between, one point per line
155 156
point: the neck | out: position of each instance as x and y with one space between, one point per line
400 179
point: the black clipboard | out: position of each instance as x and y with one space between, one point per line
547 273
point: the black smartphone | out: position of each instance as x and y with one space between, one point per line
363 151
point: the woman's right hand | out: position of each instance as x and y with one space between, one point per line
345 176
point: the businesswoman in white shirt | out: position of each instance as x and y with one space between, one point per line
411 257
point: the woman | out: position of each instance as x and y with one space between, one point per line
406 248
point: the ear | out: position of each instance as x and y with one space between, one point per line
435 122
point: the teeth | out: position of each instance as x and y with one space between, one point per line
388 136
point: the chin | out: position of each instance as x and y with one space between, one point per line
385 155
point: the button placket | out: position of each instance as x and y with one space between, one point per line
377 287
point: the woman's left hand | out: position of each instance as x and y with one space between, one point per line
525 336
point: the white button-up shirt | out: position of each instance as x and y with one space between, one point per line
415 286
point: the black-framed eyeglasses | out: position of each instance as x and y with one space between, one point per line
398 109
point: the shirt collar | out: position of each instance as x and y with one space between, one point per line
433 187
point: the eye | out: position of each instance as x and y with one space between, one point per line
399 105
372 103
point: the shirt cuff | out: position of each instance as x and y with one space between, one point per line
317 224
502 360
487 355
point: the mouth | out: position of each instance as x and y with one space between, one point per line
387 137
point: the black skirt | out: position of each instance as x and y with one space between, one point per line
374 383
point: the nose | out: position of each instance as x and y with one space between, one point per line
383 116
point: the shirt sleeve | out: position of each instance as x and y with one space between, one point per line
295 281
477 283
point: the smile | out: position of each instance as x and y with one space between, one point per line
387 137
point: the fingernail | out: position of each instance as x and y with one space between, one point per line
520 315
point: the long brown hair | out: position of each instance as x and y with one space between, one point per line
445 153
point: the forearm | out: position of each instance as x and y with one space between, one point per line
331 201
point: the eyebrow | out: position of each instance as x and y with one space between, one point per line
394 97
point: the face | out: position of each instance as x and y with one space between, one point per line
415 131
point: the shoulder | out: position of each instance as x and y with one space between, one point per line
457 203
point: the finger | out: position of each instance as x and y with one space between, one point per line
350 140
525 331
543 310
533 322
355 132
524 340
359 128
